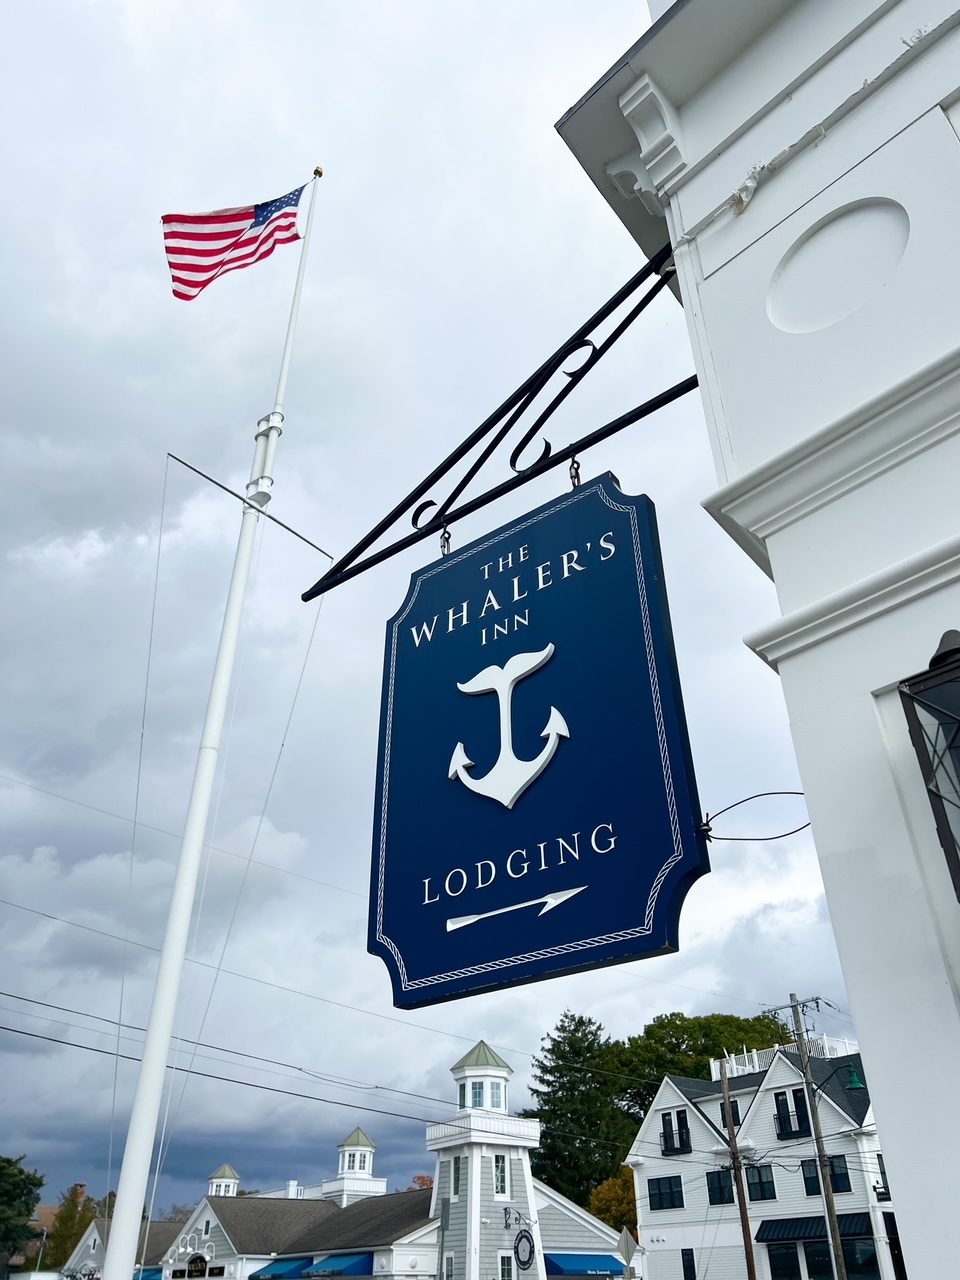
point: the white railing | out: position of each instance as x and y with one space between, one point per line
475 1126
741 1064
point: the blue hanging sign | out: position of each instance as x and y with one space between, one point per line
536 806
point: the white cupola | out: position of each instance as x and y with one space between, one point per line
483 1176
354 1180
481 1077
224 1182
356 1154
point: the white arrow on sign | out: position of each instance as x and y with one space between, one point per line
549 900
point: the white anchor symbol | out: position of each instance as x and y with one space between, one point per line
510 776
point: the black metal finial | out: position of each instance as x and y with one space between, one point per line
948 649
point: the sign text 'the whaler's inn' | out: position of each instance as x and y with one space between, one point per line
536 806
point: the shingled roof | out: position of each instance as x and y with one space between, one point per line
855 1102
367 1224
159 1235
258 1225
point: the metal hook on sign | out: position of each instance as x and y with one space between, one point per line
445 541
574 474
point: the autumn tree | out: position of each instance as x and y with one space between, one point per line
584 1134
614 1202
421 1182
77 1210
19 1196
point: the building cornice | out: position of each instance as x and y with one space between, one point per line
897 585
903 421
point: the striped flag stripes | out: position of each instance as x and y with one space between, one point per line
202 246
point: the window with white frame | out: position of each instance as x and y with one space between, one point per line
506 1267
500 1174
760 1183
457 1168
362 1160
496 1095
448 1266
476 1093
352 1160
462 1095
206 1227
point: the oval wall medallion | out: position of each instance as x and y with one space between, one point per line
836 266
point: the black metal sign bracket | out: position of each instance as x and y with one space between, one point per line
504 420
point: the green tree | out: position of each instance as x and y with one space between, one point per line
614 1202
105 1206
19 1196
675 1044
77 1210
585 1135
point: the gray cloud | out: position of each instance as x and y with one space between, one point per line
456 245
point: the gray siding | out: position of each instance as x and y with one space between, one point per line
498 1237
217 1237
455 1237
562 1234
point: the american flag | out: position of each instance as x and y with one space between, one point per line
202 246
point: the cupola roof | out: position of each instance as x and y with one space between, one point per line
481 1055
357 1139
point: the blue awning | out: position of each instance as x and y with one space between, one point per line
283 1269
583 1264
342 1264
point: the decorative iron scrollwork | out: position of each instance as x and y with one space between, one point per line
501 424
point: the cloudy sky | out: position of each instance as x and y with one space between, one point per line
456 244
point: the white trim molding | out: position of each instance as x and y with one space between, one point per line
910 579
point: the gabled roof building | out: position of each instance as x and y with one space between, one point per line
485 1218
687 1212
154 1243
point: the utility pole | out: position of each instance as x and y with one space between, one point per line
826 1183
738 1175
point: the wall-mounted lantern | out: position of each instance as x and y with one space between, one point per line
931 701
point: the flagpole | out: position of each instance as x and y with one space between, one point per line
121 1251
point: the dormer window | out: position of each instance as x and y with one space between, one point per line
734 1113
476 1093
674 1142
496 1095
795 1123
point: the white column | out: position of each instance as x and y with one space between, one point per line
804 155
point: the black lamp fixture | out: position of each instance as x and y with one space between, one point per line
931 701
